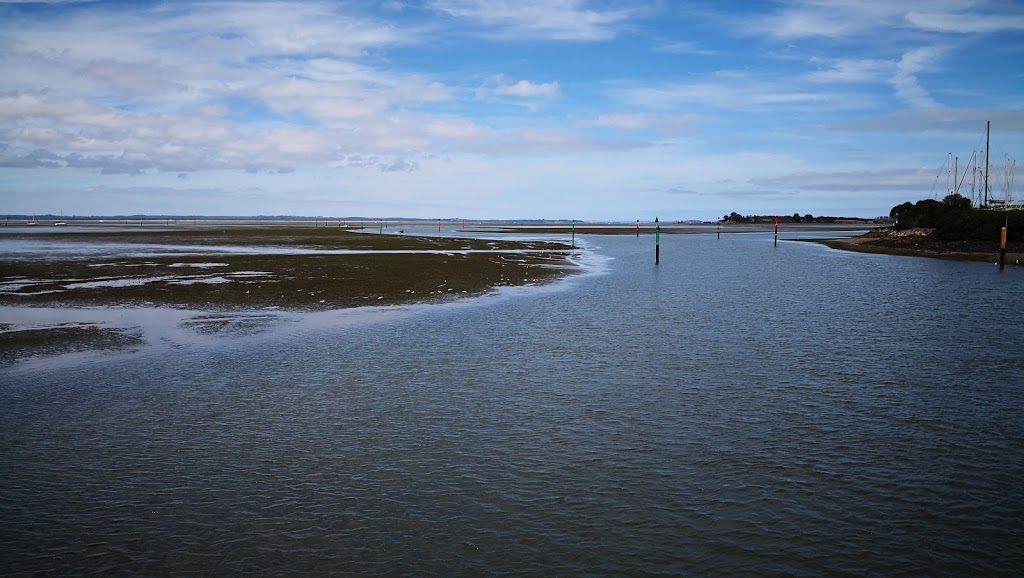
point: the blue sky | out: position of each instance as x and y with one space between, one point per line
586 109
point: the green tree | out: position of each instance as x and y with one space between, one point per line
901 212
957 201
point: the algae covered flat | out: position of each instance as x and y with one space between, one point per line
302 268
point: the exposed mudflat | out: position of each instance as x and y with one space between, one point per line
245 270
305 268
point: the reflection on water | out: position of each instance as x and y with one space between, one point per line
738 409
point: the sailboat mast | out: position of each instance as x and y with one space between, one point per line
988 126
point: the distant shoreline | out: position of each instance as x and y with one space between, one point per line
666 228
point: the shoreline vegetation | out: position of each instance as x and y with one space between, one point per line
948 229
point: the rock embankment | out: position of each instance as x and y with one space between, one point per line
922 242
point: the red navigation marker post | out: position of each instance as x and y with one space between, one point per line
776 231
657 241
1002 246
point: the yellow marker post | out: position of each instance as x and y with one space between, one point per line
1002 248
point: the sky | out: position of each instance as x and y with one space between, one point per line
598 110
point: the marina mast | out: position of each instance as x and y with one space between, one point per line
988 126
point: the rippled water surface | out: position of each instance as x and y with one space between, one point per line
740 409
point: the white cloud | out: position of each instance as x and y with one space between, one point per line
942 120
844 19
740 92
676 125
300 28
888 179
622 121
905 82
852 70
538 19
321 100
459 129
160 88
964 22
797 19
804 23
316 102
527 89
460 134
684 47
135 79
498 88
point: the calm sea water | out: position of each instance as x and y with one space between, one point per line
740 409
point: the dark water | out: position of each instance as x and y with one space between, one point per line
738 410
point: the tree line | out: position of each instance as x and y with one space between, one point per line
735 217
954 219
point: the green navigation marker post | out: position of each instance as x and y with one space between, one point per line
657 241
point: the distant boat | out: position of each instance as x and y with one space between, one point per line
60 224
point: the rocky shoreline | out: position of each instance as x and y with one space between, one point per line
922 243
